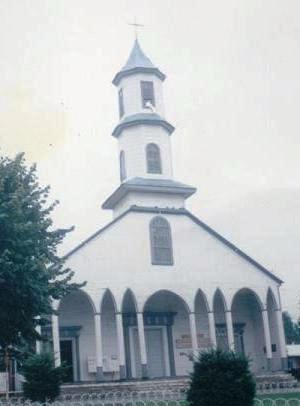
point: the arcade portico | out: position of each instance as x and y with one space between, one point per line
123 338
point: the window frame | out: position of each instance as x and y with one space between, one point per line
157 162
154 259
145 100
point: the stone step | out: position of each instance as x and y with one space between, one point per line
146 384
264 383
276 382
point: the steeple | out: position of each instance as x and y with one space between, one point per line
137 62
137 58
143 134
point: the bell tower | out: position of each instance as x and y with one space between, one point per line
144 139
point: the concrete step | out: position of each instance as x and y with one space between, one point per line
276 382
163 383
273 382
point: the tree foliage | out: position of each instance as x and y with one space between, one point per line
221 379
291 329
43 379
31 272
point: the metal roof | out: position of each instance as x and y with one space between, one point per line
140 119
137 62
147 185
137 58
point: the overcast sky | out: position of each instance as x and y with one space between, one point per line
232 92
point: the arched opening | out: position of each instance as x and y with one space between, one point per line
153 159
77 338
202 323
274 331
109 337
167 336
248 328
219 308
129 310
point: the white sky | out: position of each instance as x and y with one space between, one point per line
232 92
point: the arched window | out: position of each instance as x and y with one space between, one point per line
122 166
153 158
121 103
161 242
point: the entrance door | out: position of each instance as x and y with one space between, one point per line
155 352
66 354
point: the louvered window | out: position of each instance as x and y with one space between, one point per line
161 242
121 103
147 90
122 166
153 158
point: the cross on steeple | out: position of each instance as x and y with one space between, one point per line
136 26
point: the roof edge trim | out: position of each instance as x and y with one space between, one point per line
125 188
139 69
143 121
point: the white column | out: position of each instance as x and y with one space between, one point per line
229 326
98 342
55 338
281 336
212 329
143 350
120 334
193 329
38 343
267 335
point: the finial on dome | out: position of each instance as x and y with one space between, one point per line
136 26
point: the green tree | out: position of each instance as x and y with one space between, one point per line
291 329
221 379
43 379
31 272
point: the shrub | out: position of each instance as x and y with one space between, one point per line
296 373
221 379
42 378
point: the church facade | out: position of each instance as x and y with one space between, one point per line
161 284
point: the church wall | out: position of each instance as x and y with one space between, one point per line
133 142
200 261
147 200
132 94
120 258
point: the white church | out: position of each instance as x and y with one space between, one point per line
161 284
